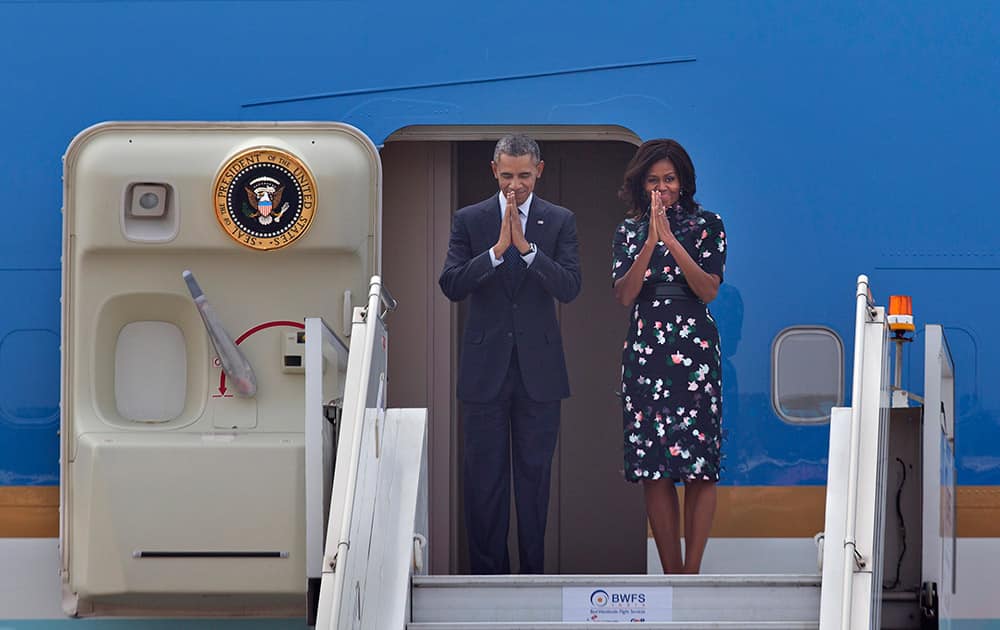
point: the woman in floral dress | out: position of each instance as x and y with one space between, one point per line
669 256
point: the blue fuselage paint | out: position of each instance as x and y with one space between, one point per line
835 139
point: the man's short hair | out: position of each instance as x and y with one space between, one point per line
517 144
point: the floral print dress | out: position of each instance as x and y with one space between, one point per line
671 362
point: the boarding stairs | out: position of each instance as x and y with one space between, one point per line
845 594
692 601
372 573
186 491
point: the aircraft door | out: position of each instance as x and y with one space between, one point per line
183 468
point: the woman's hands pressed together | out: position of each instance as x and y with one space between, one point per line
659 224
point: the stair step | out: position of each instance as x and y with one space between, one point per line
666 625
529 601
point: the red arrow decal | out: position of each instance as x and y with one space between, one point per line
257 328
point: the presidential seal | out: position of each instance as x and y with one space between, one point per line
264 198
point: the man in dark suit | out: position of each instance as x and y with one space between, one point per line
512 256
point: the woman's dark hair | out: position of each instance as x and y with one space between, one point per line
633 191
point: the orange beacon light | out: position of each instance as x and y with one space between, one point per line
900 317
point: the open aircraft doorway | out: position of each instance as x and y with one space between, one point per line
596 521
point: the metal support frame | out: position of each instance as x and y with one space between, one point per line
852 573
939 552
321 342
364 393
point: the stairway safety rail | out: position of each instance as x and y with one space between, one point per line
364 392
855 506
377 504
321 415
938 538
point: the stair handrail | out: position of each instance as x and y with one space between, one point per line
862 315
321 343
356 394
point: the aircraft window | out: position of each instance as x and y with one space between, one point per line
29 392
807 374
150 372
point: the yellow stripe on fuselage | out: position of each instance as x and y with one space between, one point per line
743 511
767 511
29 511
978 510
797 511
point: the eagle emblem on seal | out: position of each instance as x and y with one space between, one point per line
264 198
264 194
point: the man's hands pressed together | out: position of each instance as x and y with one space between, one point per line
516 231
511 232
503 242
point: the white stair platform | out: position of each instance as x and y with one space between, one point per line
667 625
691 601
